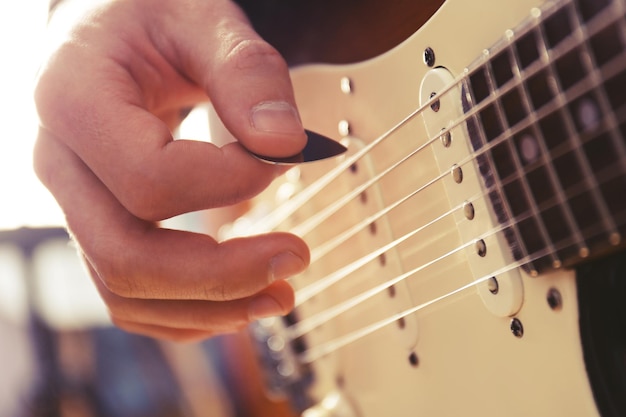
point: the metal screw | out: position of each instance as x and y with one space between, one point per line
401 323
429 57
468 209
346 85
457 174
492 284
517 328
344 128
446 138
413 359
481 248
555 301
436 105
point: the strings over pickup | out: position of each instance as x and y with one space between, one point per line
546 111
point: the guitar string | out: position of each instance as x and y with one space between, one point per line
303 326
364 151
314 353
281 213
309 291
322 284
327 348
363 224
321 216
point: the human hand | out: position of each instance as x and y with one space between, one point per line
108 97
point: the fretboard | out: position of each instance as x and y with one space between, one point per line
547 120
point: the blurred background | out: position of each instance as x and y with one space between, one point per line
59 355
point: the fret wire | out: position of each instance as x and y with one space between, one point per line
603 176
474 111
569 215
573 136
567 211
533 68
605 106
518 165
546 161
488 155
598 79
542 112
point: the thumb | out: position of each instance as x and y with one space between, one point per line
246 78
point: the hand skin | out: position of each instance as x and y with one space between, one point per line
109 95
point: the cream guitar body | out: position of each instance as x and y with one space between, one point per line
439 284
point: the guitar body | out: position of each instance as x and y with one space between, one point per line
444 339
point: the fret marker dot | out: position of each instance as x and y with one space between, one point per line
529 148
588 113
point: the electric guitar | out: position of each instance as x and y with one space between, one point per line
467 250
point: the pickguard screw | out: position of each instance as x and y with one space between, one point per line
346 85
554 299
429 57
493 286
516 328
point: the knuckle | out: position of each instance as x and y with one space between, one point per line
118 285
56 95
144 200
252 54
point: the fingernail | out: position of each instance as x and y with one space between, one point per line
262 307
285 265
276 117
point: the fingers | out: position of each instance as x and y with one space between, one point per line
246 78
167 283
107 101
103 101
135 259
195 320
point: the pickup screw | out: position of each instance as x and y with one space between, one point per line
429 57
468 209
493 285
436 104
481 248
446 138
